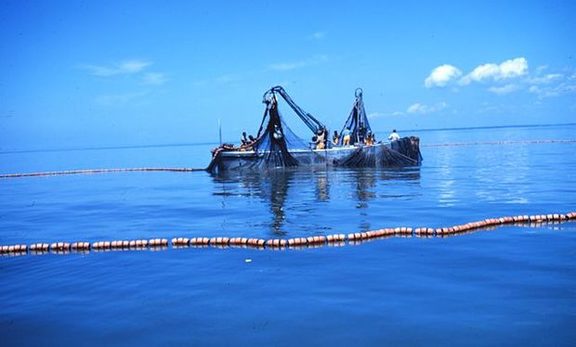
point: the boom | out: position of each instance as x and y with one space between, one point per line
312 123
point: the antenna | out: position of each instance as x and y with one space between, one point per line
219 131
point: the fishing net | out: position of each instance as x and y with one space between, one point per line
275 140
356 125
403 152
275 146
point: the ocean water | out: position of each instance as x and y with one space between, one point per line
506 286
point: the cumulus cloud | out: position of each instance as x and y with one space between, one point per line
419 108
123 68
442 75
504 78
495 72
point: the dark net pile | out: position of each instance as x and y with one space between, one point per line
357 122
404 152
275 140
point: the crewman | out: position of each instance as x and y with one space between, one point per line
394 136
346 137
243 139
369 141
320 139
335 138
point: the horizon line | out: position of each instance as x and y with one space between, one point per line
142 146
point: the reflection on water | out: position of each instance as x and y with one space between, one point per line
289 192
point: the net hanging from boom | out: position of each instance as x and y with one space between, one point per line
403 152
357 123
275 139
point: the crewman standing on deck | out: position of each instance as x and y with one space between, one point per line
320 139
394 136
346 137
335 138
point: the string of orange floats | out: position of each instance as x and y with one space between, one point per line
298 242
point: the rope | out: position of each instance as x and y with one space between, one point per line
98 171
293 243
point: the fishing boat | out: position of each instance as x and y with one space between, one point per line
276 146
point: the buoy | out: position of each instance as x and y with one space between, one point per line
60 246
300 242
80 246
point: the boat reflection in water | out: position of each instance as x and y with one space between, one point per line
298 199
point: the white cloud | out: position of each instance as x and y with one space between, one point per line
298 64
442 75
123 68
419 108
154 78
507 77
120 99
553 91
416 108
513 68
506 89
493 72
319 35
376 115
546 79
552 85
133 66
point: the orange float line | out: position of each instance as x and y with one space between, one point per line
293 243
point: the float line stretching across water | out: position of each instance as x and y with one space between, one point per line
100 171
299 242
150 169
522 142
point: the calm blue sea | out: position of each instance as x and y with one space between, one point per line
513 285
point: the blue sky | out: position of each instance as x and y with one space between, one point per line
101 73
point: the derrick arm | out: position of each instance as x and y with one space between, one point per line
312 123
